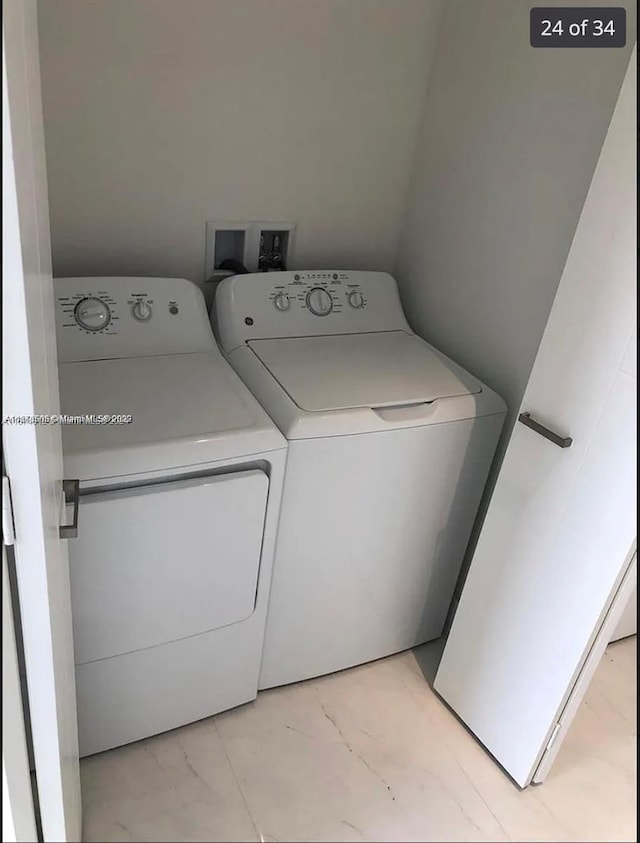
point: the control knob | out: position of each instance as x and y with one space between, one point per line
141 311
319 301
281 301
355 299
92 314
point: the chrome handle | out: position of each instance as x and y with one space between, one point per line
560 441
71 489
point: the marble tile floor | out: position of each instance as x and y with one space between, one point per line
367 754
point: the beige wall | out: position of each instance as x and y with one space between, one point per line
509 141
161 114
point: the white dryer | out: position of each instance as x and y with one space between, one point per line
180 478
390 444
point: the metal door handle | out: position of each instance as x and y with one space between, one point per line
71 489
560 441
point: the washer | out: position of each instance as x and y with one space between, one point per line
178 509
390 444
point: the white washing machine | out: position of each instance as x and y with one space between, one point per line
177 513
390 443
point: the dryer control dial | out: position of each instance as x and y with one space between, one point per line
355 299
141 311
319 301
281 301
92 314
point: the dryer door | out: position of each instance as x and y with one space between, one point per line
162 562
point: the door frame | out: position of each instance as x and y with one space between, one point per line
601 641
18 814
32 453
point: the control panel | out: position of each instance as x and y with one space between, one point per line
100 318
320 293
310 303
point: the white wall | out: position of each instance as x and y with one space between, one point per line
509 141
161 114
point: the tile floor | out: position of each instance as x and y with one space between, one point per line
368 754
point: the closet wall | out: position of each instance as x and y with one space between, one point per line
509 140
162 114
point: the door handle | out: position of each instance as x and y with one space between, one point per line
71 489
560 441
406 412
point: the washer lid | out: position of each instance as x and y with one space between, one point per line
362 370
186 409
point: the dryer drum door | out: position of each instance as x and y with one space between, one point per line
158 563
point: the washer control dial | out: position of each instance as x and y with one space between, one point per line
281 301
355 299
319 301
141 311
92 314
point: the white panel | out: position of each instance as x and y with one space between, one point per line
177 318
218 418
246 309
159 563
130 697
371 538
561 521
361 370
149 389
299 424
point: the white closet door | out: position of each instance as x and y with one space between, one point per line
562 519
33 453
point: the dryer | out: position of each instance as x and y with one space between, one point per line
390 444
180 478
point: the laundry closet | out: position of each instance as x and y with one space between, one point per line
417 139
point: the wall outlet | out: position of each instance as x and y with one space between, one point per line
256 244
